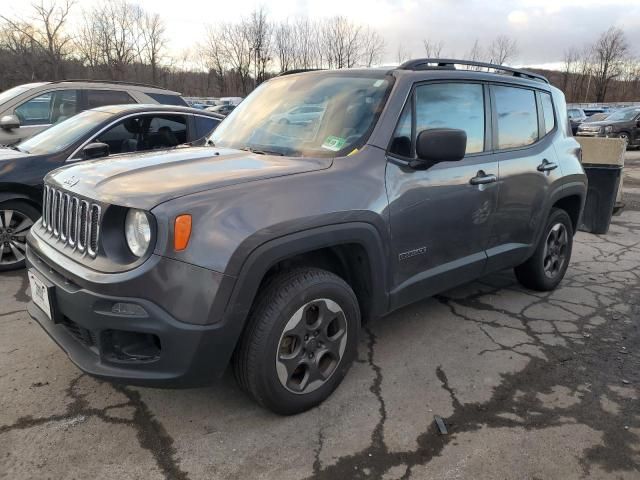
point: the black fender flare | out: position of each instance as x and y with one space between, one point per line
265 256
12 191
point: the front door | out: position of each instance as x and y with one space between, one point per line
440 217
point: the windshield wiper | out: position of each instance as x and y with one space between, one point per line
262 151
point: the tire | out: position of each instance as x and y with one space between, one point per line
20 215
287 304
626 137
545 269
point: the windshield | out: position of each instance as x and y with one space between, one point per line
624 115
63 134
306 115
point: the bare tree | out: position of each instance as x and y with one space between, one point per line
342 41
433 49
284 45
153 36
46 32
401 54
258 31
372 47
609 53
236 51
503 49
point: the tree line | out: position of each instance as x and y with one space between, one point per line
119 40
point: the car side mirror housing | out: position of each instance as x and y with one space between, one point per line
95 150
440 145
9 122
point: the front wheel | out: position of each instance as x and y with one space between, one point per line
16 218
548 264
301 339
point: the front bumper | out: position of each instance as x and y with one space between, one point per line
86 326
582 133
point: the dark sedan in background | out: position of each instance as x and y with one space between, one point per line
623 123
97 133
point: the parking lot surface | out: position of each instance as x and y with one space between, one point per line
528 384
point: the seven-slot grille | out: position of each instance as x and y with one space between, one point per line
72 220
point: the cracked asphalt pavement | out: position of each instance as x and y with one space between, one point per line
529 385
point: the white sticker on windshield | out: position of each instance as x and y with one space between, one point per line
377 83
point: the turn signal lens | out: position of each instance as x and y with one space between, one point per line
181 232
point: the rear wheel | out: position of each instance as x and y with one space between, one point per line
16 218
548 264
301 339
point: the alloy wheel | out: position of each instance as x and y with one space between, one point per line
555 250
14 226
311 346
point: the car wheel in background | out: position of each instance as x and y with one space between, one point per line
16 218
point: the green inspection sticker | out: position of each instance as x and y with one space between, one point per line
334 143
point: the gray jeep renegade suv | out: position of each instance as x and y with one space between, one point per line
271 246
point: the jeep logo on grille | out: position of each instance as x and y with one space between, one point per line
71 181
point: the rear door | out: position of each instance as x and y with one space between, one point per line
440 216
525 124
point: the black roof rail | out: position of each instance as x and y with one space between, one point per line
298 70
118 82
450 64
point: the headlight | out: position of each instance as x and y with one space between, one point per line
137 231
608 129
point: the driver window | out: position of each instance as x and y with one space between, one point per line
145 132
48 108
452 105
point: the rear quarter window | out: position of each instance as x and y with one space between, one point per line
102 98
547 112
166 99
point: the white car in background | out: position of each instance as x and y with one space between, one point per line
300 115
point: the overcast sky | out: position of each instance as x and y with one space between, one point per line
542 28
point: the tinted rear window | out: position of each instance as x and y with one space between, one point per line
101 98
165 99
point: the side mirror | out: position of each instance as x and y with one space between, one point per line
95 150
441 145
9 122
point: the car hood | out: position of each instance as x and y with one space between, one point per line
11 154
146 180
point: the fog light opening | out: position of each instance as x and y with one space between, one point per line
132 346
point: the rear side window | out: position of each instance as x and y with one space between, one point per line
165 99
205 125
547 112
517 117
101 98
443 105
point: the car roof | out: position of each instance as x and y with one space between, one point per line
141 108
86 83
425 69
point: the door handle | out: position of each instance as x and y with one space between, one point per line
482 178
547 166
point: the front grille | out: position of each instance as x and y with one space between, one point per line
71 220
